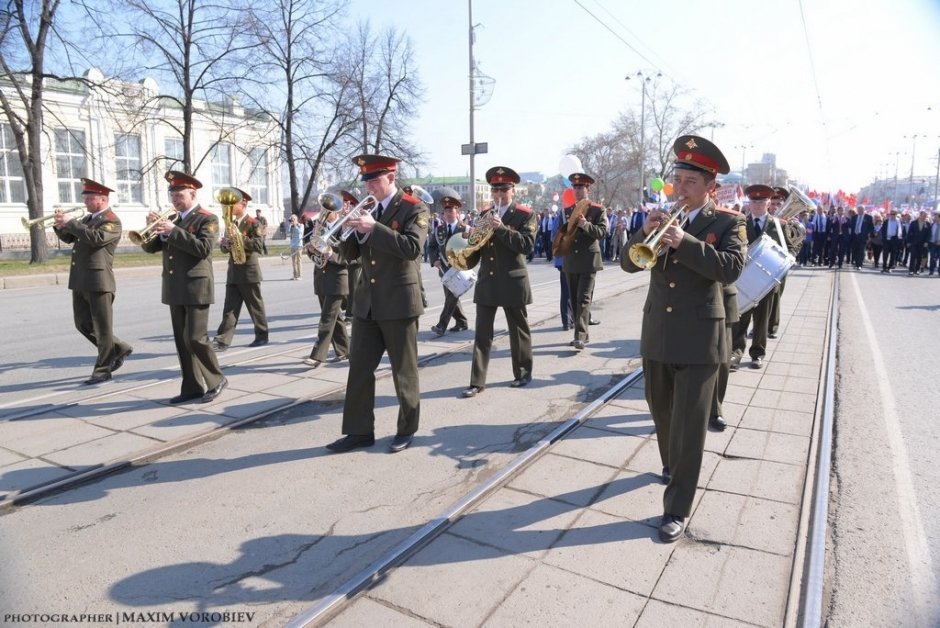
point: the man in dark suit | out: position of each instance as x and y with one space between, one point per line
94 237
503 280
683 338
187 242
820 223
637 220
840 237
918 235
862 227
331 285
437 254
759 222
243 281
388 304
891 238
583 259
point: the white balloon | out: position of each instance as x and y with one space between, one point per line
569 164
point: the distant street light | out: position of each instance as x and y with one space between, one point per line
743 148
644 79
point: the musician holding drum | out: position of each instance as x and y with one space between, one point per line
94 237
683 337
503 280
759 222
449 226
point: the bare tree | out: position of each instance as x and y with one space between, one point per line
192 45
22 96
299 47
386 87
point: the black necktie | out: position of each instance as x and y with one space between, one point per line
757 224
450 231
378 212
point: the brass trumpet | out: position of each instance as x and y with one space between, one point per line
147 234
45 221
644 254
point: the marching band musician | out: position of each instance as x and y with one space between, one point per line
773 324
759 222
388 304
94 238
331 285
243 281
503 281
353 267
451 224
187 242
583 260
683 337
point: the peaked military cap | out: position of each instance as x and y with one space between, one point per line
780 194
758 192
501 176
697 153
371 166
93 187
349 197
579 178
450 194
245 195
181 181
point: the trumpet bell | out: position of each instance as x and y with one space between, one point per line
643 255
330 202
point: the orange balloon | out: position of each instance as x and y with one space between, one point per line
567 197
667 188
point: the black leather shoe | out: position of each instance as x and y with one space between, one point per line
756 363
98 379
184 398
401 442
212 393
522 381
667 474
438 330
341 358
219 346
578 345
565 327
259 342
594 321
312 362
458 327
717 423
671 528
118 360
771 334
735 363
472 391
350 442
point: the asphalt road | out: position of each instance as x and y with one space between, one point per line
883 562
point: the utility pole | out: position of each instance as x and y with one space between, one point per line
910 193
473 180
643 81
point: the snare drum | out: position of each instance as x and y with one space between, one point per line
459 281
767 264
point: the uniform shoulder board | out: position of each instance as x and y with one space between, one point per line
524 208
109 215
410 199
205 212
250 220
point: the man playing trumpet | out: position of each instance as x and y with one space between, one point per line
187 243
94 238
331 285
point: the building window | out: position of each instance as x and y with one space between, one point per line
221 166
12 183
173 152
130 187
69 164
258 181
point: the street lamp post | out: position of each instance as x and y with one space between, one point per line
910 193
743 148
643 81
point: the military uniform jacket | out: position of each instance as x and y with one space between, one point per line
333 278
437 247
585 254
503 280
249 272
684 313
187 259
389 285
93 251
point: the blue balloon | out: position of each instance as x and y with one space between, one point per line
566 182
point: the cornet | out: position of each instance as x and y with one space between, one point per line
147 234
45 221
644 254
329 202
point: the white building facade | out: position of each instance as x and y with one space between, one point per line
125 137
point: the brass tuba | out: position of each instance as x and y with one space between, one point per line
459 246
795 231
45 221
147 234
644 254
320 244
228 198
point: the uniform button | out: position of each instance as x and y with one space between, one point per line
171 272
669 308
372 280
169 257
672 284
675 261
491 273
373 262
73 263
492 259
